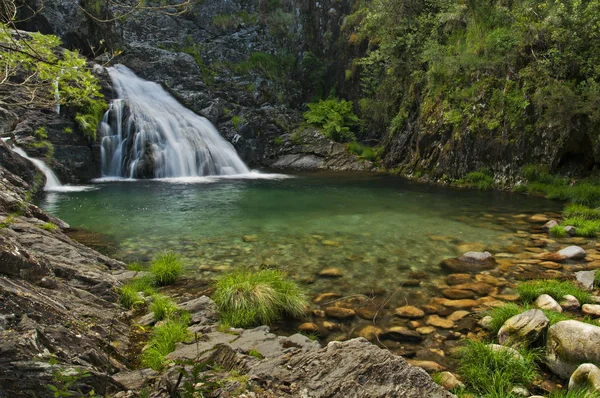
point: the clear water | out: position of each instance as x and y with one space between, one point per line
376 229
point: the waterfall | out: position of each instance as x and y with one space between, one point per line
146 133
53 184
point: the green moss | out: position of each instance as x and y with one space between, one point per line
89 115
49 226
278 141
274 67
490 373
68 130
250 298
41 133
237 121
531 290
255 354
166 267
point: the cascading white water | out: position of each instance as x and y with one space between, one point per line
146 133
53 184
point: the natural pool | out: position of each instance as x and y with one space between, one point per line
383 233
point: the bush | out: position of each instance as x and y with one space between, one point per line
364 152
334 117
162 307
491 373
480 180
251 298
163 341
531 290
166 267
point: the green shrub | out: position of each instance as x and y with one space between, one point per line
480 180
163 341
531 290
250 298
536 173
41 133
162 307
166 267
335 117
364 152
490 373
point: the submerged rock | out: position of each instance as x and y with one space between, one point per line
410 312
470 262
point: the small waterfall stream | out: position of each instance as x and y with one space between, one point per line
53 184
146 133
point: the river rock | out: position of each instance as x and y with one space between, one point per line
523 329
585 377
326 297
486 322
549 225
429 366
434 320
538 218
470 262
569 344
331 273
480 288
570 303
333 372
369 313
339 312
308 327
453 293
370 332
400 333
458 304
410 312
586 279
591 309
457 315
570 230
425 330
573 253
457 279
490 280
449 381
546 302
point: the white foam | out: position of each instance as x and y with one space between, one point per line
252 175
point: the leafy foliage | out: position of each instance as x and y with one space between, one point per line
335 117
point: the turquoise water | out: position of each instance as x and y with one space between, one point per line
377 229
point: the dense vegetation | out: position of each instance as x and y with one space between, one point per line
498 68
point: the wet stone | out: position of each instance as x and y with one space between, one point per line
331 273
410 312
339 312
458 293
400 333
435 320
326 297
457 279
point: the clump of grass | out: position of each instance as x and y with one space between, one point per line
129 293
597 279
163 341
490 373
250 298
502 314
255 354
580 211
166 267
574 393
364 152
49 226
135 266
531 290
558 231
584 226
480 180
162 307
129 297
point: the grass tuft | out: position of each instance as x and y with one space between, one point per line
50 227
490 373
135 266
163 307
558 231
250 298
129 293
502 314
531 290
163 341
480 180
166 267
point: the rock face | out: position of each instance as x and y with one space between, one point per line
523 329
470 262
335 370
58 299
569 344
